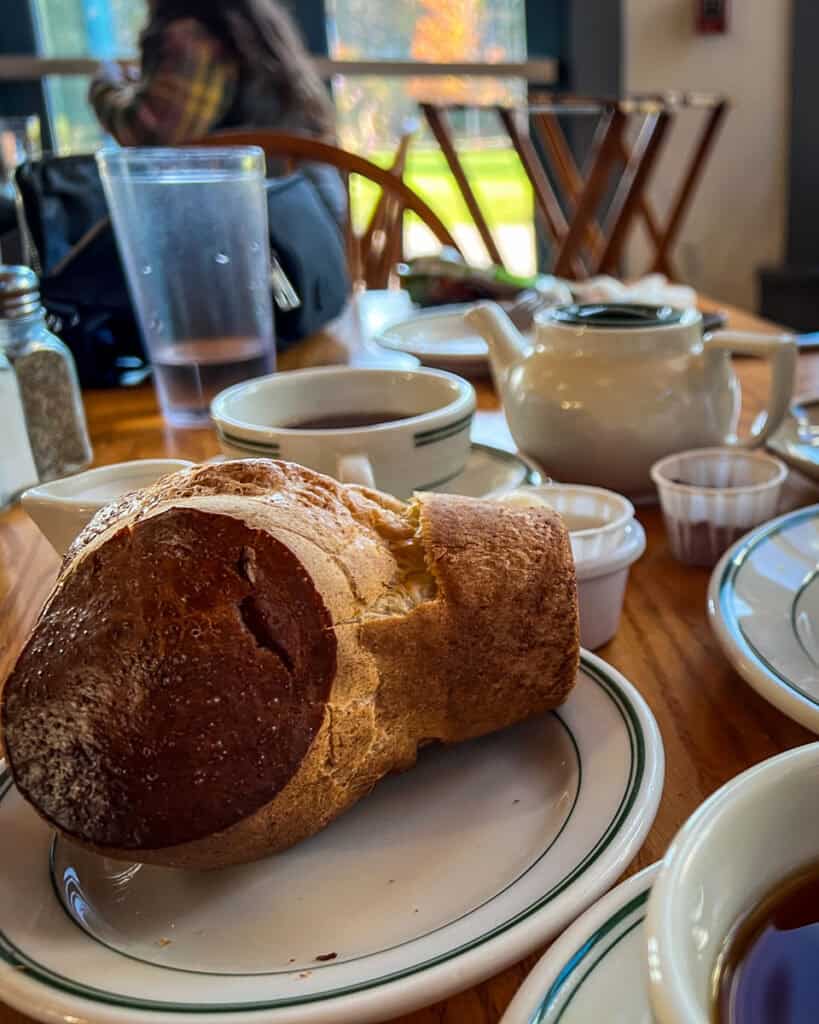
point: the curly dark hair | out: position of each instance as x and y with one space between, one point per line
263 38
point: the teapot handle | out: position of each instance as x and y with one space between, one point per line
781 350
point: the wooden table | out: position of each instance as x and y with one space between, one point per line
713 725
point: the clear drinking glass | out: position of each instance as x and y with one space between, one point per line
192 230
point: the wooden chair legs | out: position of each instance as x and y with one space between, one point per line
690 180
631 188
605 154
439 125
571 216
546 201
381 244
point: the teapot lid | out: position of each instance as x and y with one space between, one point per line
619 315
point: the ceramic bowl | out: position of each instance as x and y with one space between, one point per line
750 835
421 442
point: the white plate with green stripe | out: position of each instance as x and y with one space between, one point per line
443 876
763 603
597 970
438 336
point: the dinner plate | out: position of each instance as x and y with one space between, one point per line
443 876
797 439
439 337
597 970
763 604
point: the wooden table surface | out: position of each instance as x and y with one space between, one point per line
713 725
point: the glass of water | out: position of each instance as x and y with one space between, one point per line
192 231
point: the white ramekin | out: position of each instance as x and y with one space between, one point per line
710 497
751 834
601 587
603 552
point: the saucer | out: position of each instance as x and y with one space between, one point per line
597 970
489 471
441 877
763 605
797 439
439 337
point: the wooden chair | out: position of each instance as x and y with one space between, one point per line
581 245
382 240
371 255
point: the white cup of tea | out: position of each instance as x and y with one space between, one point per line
397 430
733 852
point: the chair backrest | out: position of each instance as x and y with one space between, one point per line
372 254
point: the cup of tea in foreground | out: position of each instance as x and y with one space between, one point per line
400 431
734 914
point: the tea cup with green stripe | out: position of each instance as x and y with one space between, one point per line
400 431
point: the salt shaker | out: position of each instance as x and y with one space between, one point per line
17 469
46 378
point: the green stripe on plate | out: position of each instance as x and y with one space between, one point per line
807 582
727 592
580 959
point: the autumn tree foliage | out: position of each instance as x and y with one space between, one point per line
448 30
451 31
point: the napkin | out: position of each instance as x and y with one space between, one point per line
651 290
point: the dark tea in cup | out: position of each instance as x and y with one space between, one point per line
348 420
769 971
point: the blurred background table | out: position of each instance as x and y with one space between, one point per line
713 725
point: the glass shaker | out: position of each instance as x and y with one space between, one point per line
46 378
17 469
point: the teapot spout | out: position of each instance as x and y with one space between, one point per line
507 346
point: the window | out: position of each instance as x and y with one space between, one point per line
374 112
83 28
96 28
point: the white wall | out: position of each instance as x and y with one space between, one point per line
737 219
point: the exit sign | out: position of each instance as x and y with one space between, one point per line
712 16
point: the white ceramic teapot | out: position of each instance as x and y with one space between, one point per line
604 390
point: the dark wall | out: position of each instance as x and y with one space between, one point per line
587 37
17 37
594 47
310 16
789 294
803 199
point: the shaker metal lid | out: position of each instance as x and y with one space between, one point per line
620 315
19 292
